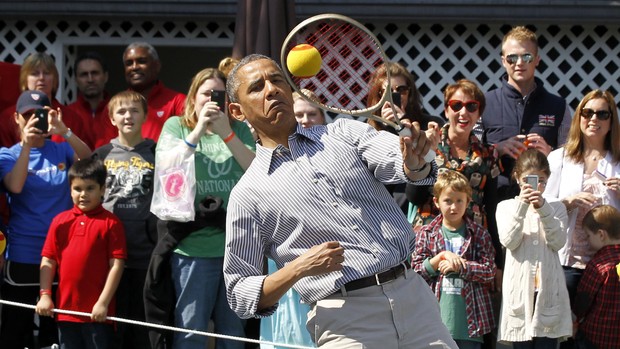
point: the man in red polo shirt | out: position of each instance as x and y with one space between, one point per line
91 76
142 66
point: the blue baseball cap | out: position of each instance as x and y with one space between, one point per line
30 100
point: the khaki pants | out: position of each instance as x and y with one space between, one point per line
403 313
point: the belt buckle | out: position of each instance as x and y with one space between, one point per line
377 281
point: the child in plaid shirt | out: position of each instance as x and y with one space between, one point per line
455 256
597 303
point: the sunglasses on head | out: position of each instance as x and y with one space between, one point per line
513 58
470 106
600 114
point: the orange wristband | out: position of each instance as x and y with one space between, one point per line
44 291
229 137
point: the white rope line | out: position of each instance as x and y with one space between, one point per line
163 327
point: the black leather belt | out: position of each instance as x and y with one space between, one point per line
377 279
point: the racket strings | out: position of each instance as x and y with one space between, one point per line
350 57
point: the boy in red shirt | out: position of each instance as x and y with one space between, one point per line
87 246
597 303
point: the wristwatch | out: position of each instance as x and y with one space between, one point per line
68 134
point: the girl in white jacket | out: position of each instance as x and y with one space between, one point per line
535 304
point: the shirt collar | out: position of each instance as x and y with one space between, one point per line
266 156
78 212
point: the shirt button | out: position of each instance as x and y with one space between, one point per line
535 242
335 204
315 181
81 223
354 227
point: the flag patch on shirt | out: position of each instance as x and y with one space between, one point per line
546 120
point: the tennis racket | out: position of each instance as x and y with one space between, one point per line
351 54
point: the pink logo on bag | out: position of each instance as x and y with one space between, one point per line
174 185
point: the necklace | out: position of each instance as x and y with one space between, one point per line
595 155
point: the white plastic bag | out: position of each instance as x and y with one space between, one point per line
174 188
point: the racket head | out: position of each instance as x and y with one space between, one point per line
351 54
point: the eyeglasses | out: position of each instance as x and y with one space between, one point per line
600 114
513 58
470 106
402 89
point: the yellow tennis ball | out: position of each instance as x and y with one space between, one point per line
304 61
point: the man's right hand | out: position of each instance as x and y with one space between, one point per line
512 146
321 259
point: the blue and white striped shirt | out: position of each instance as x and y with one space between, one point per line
328 186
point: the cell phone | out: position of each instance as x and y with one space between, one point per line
41 115
219 97
396 99
532 180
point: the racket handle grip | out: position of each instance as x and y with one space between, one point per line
404 132
430 156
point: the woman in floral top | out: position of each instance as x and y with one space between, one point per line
460 150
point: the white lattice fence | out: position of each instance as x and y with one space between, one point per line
19 38
576 58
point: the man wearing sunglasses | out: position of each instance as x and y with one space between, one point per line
521 113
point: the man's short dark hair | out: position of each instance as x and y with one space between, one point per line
233 82
90 55
89 168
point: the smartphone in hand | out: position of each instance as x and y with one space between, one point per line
219 97
396 99
42 123
532 180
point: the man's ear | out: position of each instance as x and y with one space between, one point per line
435 201
603 235
234 109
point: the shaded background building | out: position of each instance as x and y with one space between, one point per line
439 41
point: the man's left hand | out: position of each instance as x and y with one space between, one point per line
416 146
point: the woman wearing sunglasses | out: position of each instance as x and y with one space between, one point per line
586 173
460 150
403 90
408 105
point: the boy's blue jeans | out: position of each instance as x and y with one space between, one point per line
85 335
201 296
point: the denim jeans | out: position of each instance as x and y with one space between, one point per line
200 296
85 335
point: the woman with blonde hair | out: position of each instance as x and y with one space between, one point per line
39 72
306 113
224 148
586 173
